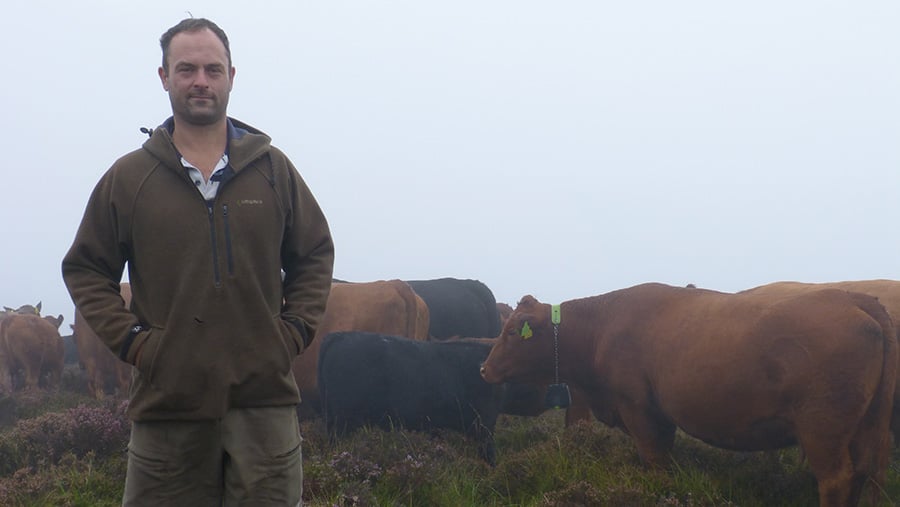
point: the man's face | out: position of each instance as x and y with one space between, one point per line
199 78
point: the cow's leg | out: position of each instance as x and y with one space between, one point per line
55 378
579 409
577 413
95 386
653 436
486 447
99 388
124 381
833 468
870 452
6 373
485 438
32 378
6 380
845 449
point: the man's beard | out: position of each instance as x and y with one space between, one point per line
199 116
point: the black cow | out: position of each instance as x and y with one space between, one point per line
369 379
459 307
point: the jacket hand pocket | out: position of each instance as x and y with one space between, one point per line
148 343
291 336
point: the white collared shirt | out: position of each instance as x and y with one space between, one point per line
207 188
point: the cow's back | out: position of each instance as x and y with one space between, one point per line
459 307
887 291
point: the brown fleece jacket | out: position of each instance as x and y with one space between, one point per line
220 326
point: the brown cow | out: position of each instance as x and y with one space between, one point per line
24 310
30 346
740 372
56 321
504 310
384 306
888 294
104 371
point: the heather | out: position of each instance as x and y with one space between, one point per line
66 449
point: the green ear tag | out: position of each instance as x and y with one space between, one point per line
526 331
554 314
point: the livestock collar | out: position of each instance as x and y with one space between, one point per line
558 395
555 319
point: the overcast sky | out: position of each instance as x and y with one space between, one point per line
560 149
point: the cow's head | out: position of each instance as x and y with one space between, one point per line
524 350
25 309
56 321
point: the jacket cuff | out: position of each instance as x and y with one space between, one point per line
301 328
129 340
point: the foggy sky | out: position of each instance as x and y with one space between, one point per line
559 149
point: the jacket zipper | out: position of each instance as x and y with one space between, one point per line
215 252
228 254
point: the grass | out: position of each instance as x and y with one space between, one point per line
540 464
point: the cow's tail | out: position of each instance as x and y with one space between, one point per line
417 315
412 311
871 446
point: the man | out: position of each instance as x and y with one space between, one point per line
230 261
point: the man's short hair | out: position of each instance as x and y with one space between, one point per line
191 25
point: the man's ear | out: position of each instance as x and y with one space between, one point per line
164 78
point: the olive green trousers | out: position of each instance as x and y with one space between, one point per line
250 457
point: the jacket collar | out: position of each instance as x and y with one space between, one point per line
245 144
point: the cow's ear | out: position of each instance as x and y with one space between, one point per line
526 332
527 300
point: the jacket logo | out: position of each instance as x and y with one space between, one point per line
250 202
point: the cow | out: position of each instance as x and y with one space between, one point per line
382 306
104 371
30 348
370 379
740 372
55 321
504 311
458 307
22 310
887 292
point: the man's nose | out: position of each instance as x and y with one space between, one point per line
201 79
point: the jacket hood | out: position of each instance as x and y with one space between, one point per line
245 144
